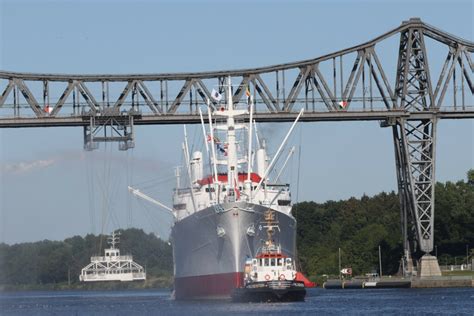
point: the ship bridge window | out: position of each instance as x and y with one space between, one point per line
210 189
284 202
266 263
180 206
272 262
280 262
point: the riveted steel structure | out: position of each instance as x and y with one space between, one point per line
350 84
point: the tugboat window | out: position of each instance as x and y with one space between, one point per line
272 262
280 262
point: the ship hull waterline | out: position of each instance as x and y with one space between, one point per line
288 291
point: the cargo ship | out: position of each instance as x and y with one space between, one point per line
218 206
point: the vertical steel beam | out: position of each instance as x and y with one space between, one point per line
415 141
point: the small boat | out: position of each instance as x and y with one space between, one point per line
270 276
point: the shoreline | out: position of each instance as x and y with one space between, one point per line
164 282
414 283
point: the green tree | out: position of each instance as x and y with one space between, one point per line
470 177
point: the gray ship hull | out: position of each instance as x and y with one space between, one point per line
210 247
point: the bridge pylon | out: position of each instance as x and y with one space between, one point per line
415 148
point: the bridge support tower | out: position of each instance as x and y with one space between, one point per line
415 154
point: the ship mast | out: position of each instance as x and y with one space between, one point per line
232 172
248 182
214 157
113 239
232 162
271 224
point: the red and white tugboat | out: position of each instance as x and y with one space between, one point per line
270 276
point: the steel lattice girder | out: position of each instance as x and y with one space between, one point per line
415 140
109 129
279 91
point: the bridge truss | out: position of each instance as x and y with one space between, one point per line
351 84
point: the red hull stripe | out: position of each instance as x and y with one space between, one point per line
207 286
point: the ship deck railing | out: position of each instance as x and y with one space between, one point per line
101 276
112 270
116 258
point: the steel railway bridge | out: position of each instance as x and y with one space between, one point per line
351 84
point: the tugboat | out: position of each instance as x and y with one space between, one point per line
270 276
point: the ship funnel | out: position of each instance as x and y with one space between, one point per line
196 166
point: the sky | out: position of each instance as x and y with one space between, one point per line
51 189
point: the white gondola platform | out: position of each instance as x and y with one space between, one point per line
112 266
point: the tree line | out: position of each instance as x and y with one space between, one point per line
359 226
356 226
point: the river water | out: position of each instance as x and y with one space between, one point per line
456 301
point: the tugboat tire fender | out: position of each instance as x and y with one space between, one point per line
267 277
282 277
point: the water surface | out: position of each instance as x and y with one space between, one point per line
458 301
